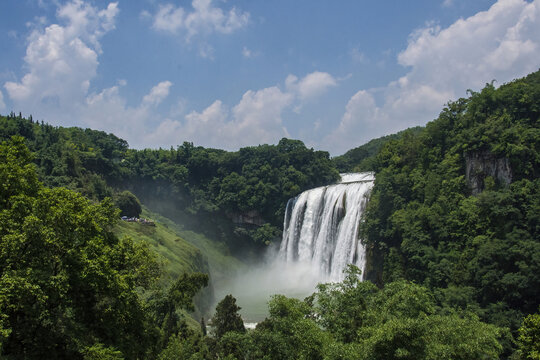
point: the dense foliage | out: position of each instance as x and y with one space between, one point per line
69 288
214 185
227 317
363 158
211 190
479 251
529 337
353 320
128 204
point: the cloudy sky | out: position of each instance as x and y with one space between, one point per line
233 73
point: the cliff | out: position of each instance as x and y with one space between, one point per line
482 164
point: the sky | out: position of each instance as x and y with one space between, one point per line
234 73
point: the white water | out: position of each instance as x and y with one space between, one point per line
320 238
321 227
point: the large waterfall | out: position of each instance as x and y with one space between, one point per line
321 226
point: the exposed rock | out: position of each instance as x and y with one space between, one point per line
479 165
251 217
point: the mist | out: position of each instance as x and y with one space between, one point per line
254 286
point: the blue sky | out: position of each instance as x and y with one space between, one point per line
227 74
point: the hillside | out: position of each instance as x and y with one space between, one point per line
456 206
178 256
362 158
228 196
180 251
180 246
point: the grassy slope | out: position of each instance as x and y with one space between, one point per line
222 264
177 254
182 250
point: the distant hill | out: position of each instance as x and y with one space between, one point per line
362 158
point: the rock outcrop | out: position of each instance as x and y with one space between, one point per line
479 165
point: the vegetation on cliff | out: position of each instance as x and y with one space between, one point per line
478 252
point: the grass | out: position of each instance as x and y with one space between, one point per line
182 251
177 255
221 263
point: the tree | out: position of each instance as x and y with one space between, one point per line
529 337
227 318
68 286
166 305
128 204
342 306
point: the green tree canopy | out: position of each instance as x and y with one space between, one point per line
128 204
67 284
227 317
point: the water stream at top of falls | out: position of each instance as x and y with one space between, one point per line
321 226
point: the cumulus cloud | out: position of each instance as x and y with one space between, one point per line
108 110
157 94
256 119
312 85
62 59
204 18
501 43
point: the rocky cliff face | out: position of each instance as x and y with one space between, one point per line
251 217
479 165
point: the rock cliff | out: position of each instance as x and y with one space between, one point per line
479 165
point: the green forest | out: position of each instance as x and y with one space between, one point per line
452 230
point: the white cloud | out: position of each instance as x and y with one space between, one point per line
473 51
203 19
108 110
258 114
256 119
312 85
87 22
62 59
157 94
501 43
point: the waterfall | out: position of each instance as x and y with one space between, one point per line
321 226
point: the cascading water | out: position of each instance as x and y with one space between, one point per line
321 226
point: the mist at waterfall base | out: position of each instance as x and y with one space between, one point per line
320 238
254 287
